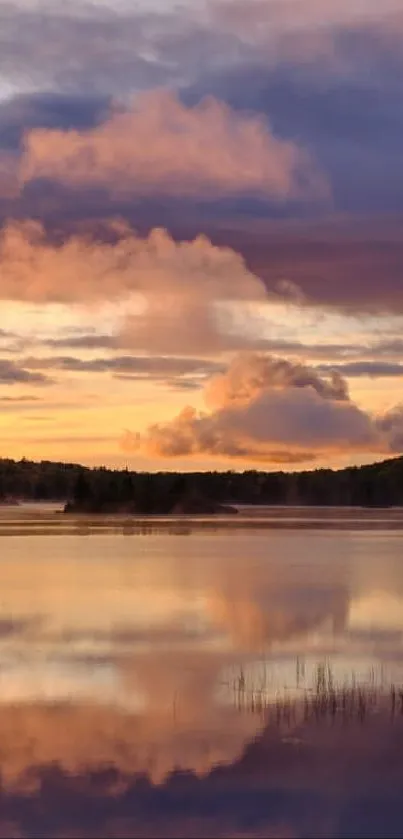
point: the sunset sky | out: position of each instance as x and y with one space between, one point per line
201 241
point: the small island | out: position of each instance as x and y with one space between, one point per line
176 499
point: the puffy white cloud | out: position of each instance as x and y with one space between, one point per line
250 375
268 409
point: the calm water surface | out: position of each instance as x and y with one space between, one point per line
239 677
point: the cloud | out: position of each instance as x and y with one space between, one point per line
36 269
115 48
324 77
177 372
124 364
362 358
297 419
262 408
391 425
28 405
161 147
347 263
47 110
88 341
337 119
350 264
327 76
9 187
89 47
177 285
19 400
309 33
373 369
11 374
389 348
249 375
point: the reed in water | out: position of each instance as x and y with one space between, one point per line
324 699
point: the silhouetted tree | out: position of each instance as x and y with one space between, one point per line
101 489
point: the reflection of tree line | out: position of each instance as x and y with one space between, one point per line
132 528
325 699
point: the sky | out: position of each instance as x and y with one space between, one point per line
201 249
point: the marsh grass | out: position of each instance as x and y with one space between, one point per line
324 700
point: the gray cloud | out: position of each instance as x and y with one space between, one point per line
93 47
19 400
331 80
351 124
131 367
89 341
389 348
359 353
88 48
366 358
11 373
24 112
391 424
352 264
373 369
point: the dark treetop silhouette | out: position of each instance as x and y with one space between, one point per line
109 491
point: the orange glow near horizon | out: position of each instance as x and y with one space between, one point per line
195 272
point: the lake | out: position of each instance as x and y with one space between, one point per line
236 677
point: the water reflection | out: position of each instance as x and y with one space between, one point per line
239 657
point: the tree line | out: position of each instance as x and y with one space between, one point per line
102 489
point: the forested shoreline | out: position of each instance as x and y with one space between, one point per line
105 490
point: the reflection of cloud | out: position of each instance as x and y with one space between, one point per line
380 611
80 732
13 626
320 780
164 634
279 600
58 681
274 616
158 632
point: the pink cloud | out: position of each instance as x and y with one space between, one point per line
179 283
160 146
82 268
267 409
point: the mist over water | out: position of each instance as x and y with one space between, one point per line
236 677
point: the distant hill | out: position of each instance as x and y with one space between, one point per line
105 490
